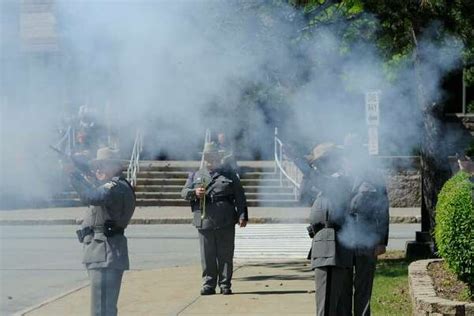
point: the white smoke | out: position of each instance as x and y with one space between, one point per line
356 234
175 68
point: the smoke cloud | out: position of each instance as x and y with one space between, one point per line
175 68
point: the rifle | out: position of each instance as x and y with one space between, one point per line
81 166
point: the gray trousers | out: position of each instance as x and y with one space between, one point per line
364 270
330 298
105 289
217 255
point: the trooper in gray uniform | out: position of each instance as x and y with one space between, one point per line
331 260
369 220
218 202
227 153
112 202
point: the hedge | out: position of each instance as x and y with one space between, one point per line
454 230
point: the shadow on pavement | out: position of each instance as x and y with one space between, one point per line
272 292
275 277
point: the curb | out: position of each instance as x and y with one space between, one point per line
5 222
50 300
423 295
158 221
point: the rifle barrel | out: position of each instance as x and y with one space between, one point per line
58 151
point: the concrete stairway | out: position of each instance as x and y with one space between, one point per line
159 183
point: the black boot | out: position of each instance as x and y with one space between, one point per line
226 291
207 291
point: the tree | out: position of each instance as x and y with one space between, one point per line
401 23
417 16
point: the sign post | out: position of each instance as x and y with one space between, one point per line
372 114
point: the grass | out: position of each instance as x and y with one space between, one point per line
390 294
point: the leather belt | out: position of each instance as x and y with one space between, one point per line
89 230
215 199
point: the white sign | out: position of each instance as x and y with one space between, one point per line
372 107
373 140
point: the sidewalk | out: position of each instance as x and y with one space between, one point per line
178 215
284 288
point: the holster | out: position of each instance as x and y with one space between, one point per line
324 247
81 233
197 220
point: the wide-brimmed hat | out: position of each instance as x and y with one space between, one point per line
106 156
323 150
210 149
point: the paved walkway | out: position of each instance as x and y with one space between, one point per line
178 215
281 288
270 287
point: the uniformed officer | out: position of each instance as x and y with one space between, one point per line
112 202
308 191
227 153
369 220
331 260
218 202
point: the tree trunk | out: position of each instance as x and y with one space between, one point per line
434 159
434 165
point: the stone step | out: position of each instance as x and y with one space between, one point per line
151 181
247 188
190 166
190 169
193 169
184 175
162 202
61 198
66 195
173 202
250 196
163 174
73 202
251 203
160 183
173 192
245 182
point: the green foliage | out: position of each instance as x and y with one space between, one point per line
399 22
454 230
470 149
397 62
470 107
469 76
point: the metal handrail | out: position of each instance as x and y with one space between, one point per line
66 143
286 168
134 165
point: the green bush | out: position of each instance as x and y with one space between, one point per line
454 230
470 149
